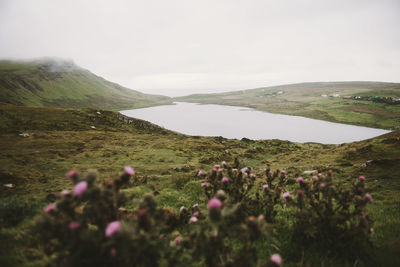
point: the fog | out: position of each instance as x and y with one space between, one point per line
180 47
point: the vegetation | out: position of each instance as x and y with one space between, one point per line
372 104
60 83
167 165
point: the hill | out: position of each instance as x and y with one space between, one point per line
61 83
373 104
166 163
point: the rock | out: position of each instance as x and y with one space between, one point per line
98 112
93 127
310 172
24 135
8 185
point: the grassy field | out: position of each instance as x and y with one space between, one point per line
60 83
306 100
167 162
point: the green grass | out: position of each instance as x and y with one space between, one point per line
305 100
63 84
167 162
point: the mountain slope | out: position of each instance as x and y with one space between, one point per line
373 104
61 83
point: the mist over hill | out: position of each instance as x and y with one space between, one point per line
61 83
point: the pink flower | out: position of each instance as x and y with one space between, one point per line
72 173
65 192
368 197
203 184
260 217
214 203
265 186
200 173
129 170
178 239
286 195
270 173
49 208
223 163
220 170
300 179
322 185
276 258
193 219
113 252
217 166
362 178
181 208
252 175
283 171
112 228
74 225
80 188
196 214
362 217
225 180
195 206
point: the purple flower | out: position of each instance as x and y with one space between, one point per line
195 206
80 188
362 178
283 171
286 195
223 163
300 179
129 170
368 197
203 184
112 228
193 219
225 180
217 166
214 203
265 186
49 208
72 173
181 208
276 258
200 173
74 225
196 214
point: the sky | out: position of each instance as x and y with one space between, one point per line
181 47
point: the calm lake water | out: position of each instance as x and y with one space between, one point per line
239 122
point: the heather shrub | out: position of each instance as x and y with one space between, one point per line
91 227
242 186
330 211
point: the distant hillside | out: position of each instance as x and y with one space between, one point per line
373 104
61 83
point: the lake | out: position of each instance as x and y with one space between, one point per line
239 122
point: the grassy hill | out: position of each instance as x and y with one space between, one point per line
372 104
60 83
167 163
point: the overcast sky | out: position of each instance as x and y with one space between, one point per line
179 47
